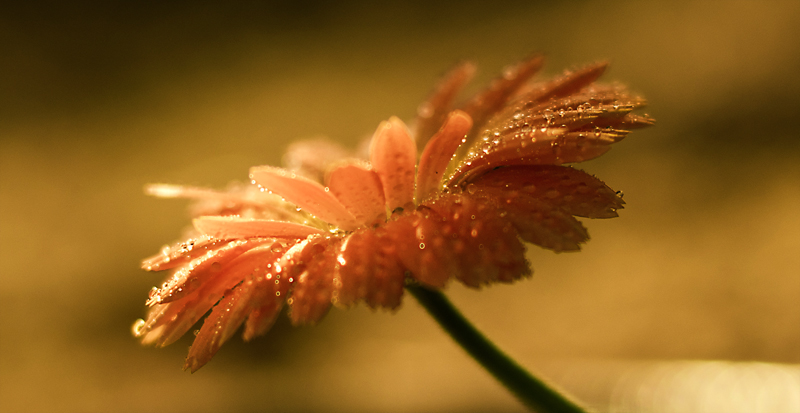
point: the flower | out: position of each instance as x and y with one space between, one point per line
487 177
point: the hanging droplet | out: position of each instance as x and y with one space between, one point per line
138 328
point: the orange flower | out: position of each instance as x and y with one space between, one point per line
487 177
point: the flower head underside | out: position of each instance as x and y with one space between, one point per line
454 197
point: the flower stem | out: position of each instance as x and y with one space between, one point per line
528 389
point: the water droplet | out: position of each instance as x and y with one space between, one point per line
138 328
471 188
422 245
277 293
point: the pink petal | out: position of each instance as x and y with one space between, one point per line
431 114
438 152
236 227
393 156
369 270
305 193
359 189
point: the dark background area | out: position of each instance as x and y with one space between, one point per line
97 99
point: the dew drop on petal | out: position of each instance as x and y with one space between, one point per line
422 245
138 328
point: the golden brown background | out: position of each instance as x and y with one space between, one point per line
98 99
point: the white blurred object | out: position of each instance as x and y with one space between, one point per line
707 387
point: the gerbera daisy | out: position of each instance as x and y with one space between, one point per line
454 197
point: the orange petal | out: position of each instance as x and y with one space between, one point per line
393 156
536 221
369 270
182 252
311 158
485 246
489 101
305 193
192 275
359 189
168 322
569 83
431 114
269 296
313 288
423 242
438 152
236 227
571 190
219 326
544 146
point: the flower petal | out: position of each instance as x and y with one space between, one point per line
423 243
571 190
359 189
569 83
168 322
393 156
219 326
313 289
539 147
192 275
236 227
486 103
439 152
431 114
369 270
484 245
270 293
181 253
311 158
535 220
305 193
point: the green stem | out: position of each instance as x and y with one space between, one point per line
528 389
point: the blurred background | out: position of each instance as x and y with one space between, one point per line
689 302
